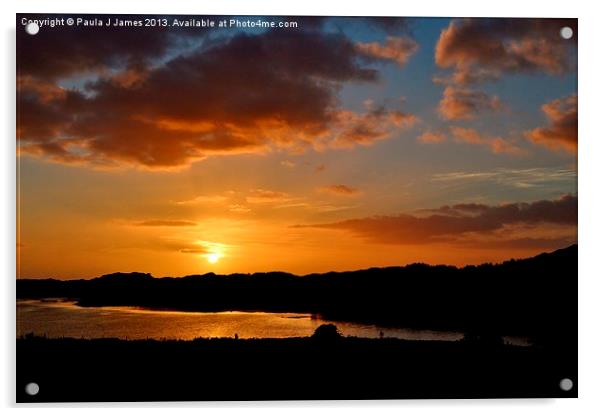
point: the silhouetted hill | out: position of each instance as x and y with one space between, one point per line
129 277
536 297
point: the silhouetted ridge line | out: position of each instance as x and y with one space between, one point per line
535 296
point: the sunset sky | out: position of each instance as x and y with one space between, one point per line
345 143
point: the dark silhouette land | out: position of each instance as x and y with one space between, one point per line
535 298
318 367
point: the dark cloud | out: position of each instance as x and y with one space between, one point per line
69 50
194 251
458 210
561 134
386 24
245 94
453 223
391 25
481 49
308 22
43 109
342 190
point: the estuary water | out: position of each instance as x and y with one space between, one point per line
61 318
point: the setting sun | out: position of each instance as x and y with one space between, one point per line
213 257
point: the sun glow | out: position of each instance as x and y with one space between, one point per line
213 257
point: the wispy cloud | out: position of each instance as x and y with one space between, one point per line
395 49
238 208
204 199
518 178
288 164
466 104
495 144
431 136
165 223
266 196
341 190
194 251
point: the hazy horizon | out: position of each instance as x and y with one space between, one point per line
286 272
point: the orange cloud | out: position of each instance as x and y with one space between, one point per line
396 49
205 199
165 223
465 104
264 196
182 246
354 129
238 208
495 144
430 136
45 90
482 49
342 190
194 251
561 134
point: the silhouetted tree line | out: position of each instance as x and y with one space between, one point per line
535 297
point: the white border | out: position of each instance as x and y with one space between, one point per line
590 386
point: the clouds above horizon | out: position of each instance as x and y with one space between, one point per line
463 223
432 136
466 104
473 51
466 135
548 178
165 223
56 55
495 144
561 133
340 190
207 102
395 49
163 99
487 48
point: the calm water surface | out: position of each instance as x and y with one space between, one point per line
59 318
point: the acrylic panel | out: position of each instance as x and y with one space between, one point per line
294 207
